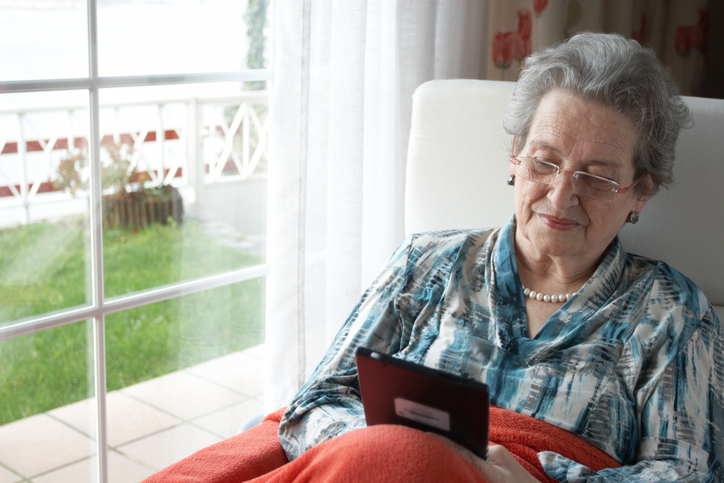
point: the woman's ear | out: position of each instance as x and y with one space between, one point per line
643 196
640 203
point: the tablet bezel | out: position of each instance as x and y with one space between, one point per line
424 393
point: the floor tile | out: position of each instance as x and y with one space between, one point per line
226 423
258 351
120 470
81 472
80 415
128 418
238 371
183 395
7 476
37 444
167 447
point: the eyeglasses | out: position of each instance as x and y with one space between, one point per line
584 184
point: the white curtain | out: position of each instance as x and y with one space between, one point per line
344 75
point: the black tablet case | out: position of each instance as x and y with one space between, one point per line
401 392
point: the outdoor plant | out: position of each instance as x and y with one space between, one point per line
70 171
117 171
127 198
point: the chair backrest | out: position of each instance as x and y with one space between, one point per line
457 168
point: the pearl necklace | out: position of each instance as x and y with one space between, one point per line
546 298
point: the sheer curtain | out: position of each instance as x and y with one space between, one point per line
340 108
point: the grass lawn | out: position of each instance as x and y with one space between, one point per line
44 267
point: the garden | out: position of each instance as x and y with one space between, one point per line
52 368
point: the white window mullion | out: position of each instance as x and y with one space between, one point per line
96 216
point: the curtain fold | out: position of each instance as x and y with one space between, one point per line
340 109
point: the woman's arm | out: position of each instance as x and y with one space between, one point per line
329 403
681 413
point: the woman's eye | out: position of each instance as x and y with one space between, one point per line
606 176
543 165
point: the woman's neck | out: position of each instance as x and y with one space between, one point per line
552 275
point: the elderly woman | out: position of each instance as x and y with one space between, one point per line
549 311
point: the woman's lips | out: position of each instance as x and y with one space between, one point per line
557 223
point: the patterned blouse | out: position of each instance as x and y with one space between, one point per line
632 363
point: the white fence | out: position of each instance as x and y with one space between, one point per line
187 142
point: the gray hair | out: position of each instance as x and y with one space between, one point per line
613 71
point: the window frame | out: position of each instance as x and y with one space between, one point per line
99 307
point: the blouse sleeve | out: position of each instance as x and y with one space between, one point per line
680 421
329 403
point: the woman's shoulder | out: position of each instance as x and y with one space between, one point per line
668 288
439 249
452 238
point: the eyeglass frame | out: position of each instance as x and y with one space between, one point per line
617 189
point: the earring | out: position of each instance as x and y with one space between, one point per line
511 180
633 217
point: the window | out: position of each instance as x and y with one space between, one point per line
132 232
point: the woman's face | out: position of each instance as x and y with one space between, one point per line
577 135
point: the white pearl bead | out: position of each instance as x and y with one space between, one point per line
547 298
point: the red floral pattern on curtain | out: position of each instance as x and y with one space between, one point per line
692 37
676 29
517 45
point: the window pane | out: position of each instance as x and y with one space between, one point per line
185 373
164 37
44 210
184 175
47 415
43 40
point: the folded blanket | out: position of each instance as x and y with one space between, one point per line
377 453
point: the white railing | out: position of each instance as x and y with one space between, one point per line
187 142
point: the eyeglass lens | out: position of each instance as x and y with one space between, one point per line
584 184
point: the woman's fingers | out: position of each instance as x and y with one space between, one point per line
501 466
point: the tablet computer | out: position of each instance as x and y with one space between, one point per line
401 392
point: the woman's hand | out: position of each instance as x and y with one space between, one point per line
501 466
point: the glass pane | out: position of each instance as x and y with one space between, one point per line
44 210
165 37
185 373
47 415
43 40
182 202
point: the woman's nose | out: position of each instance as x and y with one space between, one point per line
561 191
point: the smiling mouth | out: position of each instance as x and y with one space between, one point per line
557 223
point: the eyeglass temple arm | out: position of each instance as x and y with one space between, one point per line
626 189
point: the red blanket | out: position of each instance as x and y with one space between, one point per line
256 454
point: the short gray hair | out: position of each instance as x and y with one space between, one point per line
615 72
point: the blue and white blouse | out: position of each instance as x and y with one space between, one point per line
633 363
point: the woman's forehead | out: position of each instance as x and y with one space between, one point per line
565 123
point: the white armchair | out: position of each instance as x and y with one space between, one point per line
457 168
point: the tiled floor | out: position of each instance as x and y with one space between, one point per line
150 425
